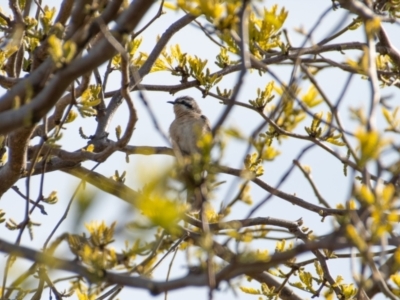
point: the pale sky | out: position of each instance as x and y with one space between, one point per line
327 172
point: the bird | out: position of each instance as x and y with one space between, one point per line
188 127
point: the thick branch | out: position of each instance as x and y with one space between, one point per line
104 183
16 165
156 287
46 99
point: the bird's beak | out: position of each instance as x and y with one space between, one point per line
172 102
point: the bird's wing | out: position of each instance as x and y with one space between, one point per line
206 124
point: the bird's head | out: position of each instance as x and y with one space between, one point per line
184 105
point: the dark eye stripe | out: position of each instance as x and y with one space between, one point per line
188 105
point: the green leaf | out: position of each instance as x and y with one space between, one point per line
55 50
311 98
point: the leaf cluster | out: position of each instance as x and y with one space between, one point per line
325 134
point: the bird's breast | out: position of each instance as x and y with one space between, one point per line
185 132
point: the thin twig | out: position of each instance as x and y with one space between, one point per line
311 181
169 270
243 41
64 216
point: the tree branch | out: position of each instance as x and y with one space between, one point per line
45 100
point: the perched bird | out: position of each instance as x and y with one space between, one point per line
188 127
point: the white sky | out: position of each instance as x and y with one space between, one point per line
326 171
